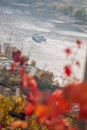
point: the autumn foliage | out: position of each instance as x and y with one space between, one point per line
51 108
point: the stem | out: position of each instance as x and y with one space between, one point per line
72 62
74 57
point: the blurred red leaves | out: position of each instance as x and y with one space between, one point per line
68 51
58 97
22 60
67 70
21 71
32 83
12 67
18 124
29 109
16 55
49 108
77 93
78 42
83 111
24 80
27 79
59 123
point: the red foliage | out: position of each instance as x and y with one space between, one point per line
78 42
68 51
32 83
57 124
30 76
29 109
67 70
16 55
83 111
50 107
77 93
12 67
22 60
58 96
21 71
24 80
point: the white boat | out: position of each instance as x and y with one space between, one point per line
38 38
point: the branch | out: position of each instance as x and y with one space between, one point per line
7 86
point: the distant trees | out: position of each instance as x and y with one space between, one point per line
33 63
81 14
68 10
46 75
40 4
45 80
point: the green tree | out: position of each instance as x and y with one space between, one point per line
44 85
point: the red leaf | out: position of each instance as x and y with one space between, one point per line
78 42
32 83
67 70
12 67
22 60
30 76
29 109
40 110
21 71
24 80
57 95
16 55
23 83
77 93
68 51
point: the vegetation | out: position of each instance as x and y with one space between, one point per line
36 109
8 104
81 14
16 106
75 8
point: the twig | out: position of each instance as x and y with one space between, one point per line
7 86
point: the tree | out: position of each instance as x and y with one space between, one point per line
46 75
81 14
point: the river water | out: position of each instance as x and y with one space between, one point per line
19 22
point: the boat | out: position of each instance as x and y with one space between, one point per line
38 38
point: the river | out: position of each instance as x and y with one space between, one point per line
19 22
